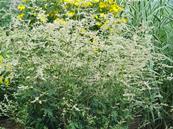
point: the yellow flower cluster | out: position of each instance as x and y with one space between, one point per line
20 16
21 7
109 5
80 3
70 13
69 9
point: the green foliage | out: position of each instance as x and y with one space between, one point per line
155 13
7 107
7 81
81 78
6 77
5 15
79 69
7 85
158 15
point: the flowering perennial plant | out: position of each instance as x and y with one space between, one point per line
59 11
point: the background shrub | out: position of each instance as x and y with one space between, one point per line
59 11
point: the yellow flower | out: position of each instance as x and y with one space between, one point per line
76 3
70 14
115 9
103 5
20 16
21 7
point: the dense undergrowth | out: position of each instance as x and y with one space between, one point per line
75 65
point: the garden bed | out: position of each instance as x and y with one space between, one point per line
86 64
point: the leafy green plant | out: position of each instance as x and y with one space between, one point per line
7 108
6 77
72 77
5 14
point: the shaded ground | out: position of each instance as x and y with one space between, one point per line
9 124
